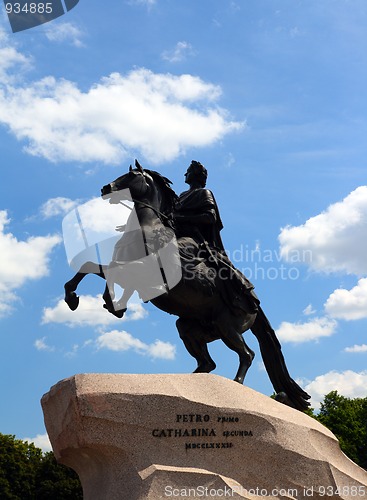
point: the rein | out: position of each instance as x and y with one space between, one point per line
158 212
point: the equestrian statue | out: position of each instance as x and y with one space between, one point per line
211 298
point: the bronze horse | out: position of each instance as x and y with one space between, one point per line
202 316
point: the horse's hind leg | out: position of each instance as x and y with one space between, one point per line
234 341
70 286
109 304
195 340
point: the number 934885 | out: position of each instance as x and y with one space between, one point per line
29 8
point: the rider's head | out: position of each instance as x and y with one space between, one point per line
197 172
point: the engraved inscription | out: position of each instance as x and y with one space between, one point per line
227 430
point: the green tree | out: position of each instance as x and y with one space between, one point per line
28 474
56 481
18 466
347 419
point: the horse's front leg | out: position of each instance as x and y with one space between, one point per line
71 298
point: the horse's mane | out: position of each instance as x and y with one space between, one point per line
169 197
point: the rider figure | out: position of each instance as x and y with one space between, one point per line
196 213
196 216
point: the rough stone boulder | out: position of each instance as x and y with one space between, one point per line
186 436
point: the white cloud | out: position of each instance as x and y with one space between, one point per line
12 63
348 383
295 32
235 7
179 53
157 116
348 304
148 3
162 350
98 215
65 32
74 350
120 341
89 313
40 345
124 341
305 332
309 310
135 312
57 206
356 348
9 59
40 441
5 308
261 366
334 240
21 261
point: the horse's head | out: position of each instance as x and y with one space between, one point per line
135 185
146 186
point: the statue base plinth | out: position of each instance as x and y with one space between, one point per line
186 436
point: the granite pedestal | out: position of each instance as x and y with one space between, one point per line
192 436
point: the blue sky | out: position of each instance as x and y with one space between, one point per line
270 96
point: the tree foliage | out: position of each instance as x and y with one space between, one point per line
347 419
28 474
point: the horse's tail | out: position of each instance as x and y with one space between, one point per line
288 391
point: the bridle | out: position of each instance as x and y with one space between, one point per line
165 219
157 212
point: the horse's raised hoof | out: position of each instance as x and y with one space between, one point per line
72 300
119 314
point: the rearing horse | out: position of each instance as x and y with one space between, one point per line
202 316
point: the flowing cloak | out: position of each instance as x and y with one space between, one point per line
201 222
